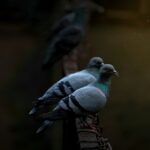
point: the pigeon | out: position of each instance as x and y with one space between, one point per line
67 35
87 100
69 16
69 84
65 21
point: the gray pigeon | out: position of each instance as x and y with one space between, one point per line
69 84
89 99
64 22
67 36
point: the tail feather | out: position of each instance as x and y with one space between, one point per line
44 126
35 108
50 118
32 111
50 59
40 98
49 62
47 100
57 114
42 105
54 56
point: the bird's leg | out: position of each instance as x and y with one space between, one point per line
87 122
83 122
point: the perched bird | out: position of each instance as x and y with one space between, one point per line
86 100
70 15
66 20
69 84
67 35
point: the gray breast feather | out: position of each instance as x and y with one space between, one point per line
90 98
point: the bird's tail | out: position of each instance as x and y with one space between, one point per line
53 56
57 114
32 111
35 108
43 105
50 59
50 118
49 100
36 105
44 126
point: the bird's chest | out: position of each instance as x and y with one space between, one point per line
93 99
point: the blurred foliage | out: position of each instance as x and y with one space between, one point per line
122 42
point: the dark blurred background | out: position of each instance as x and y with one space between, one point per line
121 35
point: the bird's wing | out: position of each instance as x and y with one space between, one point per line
65 42
50 118
81 79
56 114
71 103
60 25
69 39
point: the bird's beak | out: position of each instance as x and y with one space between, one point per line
116 73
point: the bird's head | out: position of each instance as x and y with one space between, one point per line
95 62
107 71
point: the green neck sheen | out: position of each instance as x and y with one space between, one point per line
105 87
